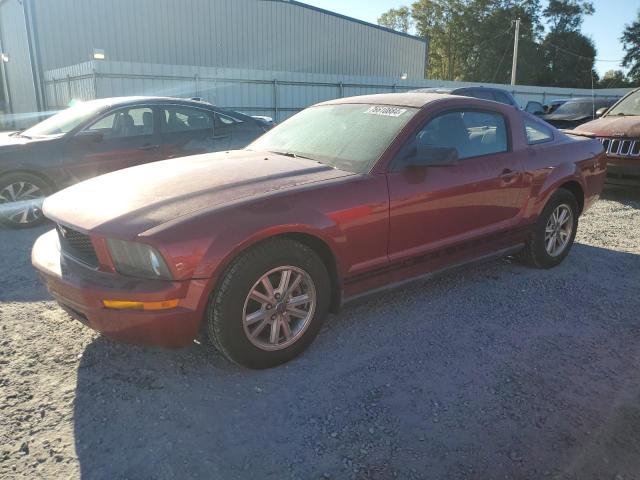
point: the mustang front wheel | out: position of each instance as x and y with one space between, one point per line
270 304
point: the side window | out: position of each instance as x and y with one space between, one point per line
537 132
126 122
185 119
473 133
222 120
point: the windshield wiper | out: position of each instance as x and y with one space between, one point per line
290 154
19 134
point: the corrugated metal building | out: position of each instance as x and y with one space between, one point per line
38 36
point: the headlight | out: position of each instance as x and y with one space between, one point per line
138 260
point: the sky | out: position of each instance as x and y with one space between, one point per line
604 27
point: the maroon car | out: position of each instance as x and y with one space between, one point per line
100 136
255 246
619 131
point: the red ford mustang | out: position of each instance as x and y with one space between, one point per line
255 246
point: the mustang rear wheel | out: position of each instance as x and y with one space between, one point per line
21 197
270 304
554 232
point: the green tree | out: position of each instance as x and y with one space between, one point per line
615 79
569 60
397 19
569 56
567 15
631 44
469 39
473 39
441 21
489 42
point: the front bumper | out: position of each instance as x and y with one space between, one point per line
80 290
623 171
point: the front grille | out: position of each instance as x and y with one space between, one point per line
77 245
621 147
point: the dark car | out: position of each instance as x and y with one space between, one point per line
619 131
100 136
253 247
576 112
553 105
485 93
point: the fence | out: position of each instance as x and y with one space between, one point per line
255 92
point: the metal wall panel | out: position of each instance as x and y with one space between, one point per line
258 92
252 34
18 72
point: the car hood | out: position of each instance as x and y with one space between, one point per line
562 117
129 202
613 127
9 142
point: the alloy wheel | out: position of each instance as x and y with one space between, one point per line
21 202
279 308
557 233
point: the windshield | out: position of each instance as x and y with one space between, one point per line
349 137
628 106
575 108
64 121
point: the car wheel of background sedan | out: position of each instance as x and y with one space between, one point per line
270 304
554 232
21 197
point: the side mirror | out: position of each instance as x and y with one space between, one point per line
89 136
601 111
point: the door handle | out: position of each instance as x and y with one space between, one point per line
149 147
508 175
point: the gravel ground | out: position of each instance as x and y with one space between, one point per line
498 371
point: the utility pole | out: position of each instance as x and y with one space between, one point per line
514 65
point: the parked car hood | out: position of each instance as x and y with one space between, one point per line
128 202
562 117
613 127
11 142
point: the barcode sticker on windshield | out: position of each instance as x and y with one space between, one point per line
385 111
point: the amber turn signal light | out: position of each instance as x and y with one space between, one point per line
128 305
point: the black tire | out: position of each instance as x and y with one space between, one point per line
224 318
34 216
535 252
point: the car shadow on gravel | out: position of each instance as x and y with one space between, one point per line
498 371
19 282
626 195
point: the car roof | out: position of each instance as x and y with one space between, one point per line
121 101
408 99
115 102
446 90
587 100
441 90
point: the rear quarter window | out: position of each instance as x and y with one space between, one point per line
537 132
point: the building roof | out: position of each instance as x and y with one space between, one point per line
351 19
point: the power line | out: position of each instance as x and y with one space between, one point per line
504 54
582 56
508 30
